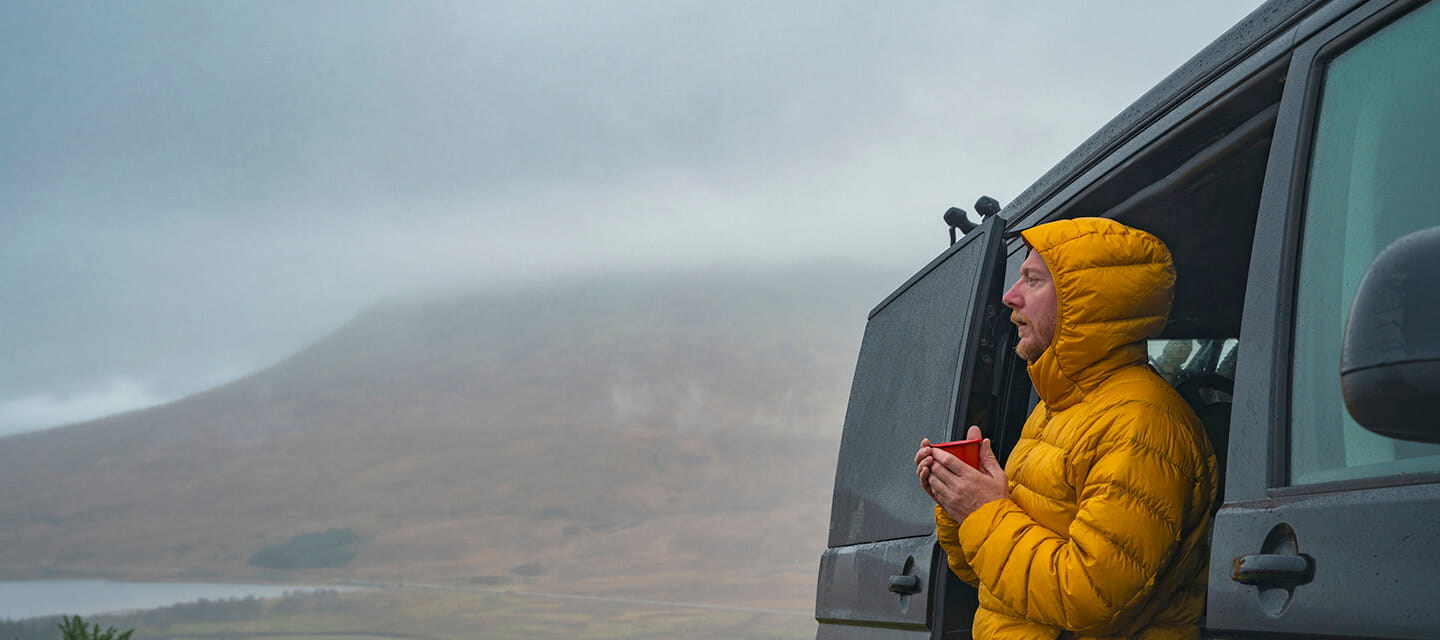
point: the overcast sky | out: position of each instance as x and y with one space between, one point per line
191 190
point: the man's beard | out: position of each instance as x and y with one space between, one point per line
1040 338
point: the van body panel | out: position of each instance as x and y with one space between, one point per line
855 584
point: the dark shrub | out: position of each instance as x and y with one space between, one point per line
325 550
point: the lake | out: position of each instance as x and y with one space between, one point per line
34 598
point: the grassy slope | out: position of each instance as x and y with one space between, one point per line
427 615
666 438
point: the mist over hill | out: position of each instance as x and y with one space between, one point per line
659 435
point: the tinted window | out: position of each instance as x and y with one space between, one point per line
904 390
1372 180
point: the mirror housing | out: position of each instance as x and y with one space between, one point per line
1390 361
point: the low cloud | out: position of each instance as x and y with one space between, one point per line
201 186
40 411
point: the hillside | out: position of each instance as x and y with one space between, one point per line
666 436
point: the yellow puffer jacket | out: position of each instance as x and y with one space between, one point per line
1105 531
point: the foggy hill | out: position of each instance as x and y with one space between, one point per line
661 436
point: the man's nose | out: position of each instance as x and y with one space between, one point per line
1011 298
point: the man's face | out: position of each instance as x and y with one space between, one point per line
1033 309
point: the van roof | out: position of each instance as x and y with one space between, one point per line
1250 34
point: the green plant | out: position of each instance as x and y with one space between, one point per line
73 628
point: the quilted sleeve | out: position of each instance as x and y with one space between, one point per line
947 531
1133 506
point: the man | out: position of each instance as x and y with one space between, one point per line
1097 526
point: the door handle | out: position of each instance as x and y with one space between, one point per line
905 585
1273 569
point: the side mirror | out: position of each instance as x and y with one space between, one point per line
1390 362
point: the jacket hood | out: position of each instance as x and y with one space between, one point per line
1113 289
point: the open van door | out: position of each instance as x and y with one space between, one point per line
925 370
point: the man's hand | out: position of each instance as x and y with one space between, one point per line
923 460
958 488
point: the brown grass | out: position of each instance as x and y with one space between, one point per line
648 442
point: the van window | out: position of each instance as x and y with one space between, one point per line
1184 360
1371 180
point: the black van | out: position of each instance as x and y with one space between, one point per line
1277 165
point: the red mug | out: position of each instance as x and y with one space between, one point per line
968 451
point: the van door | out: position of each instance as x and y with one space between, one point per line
924 371
1328 529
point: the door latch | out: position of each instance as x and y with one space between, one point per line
905 585
1273 569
